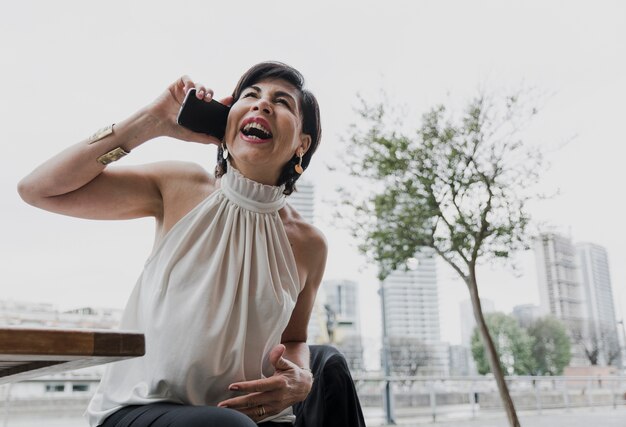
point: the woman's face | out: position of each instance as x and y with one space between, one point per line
264 128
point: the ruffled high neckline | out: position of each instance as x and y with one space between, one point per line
251 195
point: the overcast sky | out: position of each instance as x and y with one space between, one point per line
71 67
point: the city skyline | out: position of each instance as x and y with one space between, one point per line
411 305
419 53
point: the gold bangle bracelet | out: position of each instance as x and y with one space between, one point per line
100 134
112 156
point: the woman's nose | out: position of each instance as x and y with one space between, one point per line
264 105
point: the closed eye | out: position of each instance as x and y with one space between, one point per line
283 101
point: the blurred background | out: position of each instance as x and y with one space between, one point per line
71 67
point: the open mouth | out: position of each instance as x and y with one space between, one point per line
254 130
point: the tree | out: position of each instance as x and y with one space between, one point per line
459 186
551 348
408 354
513 345
599 344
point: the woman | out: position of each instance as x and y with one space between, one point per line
225 297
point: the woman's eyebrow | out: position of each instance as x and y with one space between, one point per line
277 93
285 94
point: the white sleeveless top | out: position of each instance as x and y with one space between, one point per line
213 299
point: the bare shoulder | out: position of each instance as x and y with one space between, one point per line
183 185
180 178
174 169
304 231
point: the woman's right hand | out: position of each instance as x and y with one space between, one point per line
74 183
166 107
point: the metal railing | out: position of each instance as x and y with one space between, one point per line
426 398
436 397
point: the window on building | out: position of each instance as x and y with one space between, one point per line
55 388
80 387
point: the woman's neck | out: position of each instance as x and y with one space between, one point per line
256 173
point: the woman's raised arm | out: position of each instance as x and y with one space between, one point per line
77 181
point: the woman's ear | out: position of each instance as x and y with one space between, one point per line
305 142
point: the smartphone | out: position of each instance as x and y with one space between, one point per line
203 117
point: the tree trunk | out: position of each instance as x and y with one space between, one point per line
490 349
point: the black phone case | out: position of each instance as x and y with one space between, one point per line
203 117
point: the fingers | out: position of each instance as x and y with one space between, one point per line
202 92
267 396
257 413
228 101
276 354
278 361
185 83
251 400
258 392
256 406
258 386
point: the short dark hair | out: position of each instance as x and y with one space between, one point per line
311 124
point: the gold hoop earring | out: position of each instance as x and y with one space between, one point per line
298 167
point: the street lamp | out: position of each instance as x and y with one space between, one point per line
388 398
622 346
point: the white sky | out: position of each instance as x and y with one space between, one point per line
71 67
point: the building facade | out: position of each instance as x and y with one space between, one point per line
526 314
560 291
411 310
599 308
459 361
575 287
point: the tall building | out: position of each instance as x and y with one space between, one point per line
598 307
560 291
468 323
526 314
412 309
411 300
303 199
459 361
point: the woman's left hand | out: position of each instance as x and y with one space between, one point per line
269 396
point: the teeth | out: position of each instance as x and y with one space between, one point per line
254 125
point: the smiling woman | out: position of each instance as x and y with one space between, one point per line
225 297
272 89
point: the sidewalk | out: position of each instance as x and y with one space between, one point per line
580 417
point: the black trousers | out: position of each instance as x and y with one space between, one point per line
332 402
175 415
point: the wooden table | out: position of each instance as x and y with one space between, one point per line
32 352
